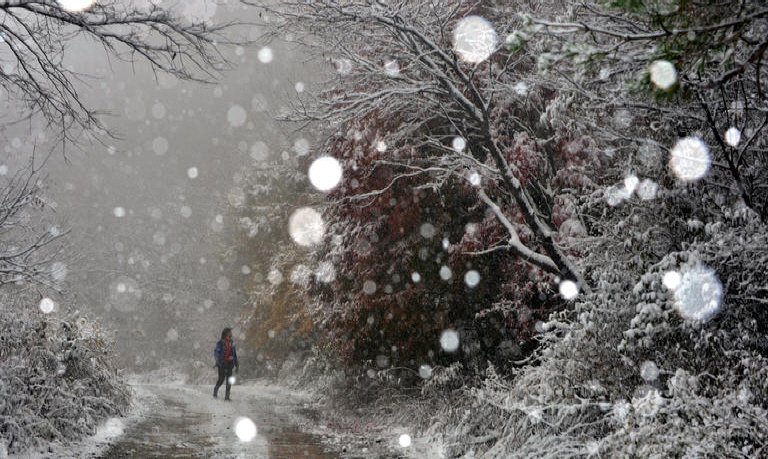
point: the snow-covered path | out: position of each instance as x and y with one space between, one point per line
185 421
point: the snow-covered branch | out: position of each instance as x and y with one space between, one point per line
27 244
395 60
38 33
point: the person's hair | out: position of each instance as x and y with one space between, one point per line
225 331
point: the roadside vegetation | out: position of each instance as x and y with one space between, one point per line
549 240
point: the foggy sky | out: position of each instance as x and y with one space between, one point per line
157 189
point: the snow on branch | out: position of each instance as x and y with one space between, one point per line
28 247
396 60
38 34
514 244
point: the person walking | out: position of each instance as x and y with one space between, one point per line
226 358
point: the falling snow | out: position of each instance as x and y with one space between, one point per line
699 294
404 440
369 287
222 283
647 190
160 146
392 68
47 305
449 340
425 371
733 137
158 110
171 335
265 55
472 278
568 289
663 74
427 230
689 159
245 429
671 280
306 226
381 146
325 173
76 6
630 183
301 146
236 116
259 151
474 39
275 277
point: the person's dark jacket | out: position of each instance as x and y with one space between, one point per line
218 353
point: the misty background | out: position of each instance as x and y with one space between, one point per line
150 211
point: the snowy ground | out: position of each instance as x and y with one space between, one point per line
174 419
187 422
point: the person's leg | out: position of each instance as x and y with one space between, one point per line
229 374
222 376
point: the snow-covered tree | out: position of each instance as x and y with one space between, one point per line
39 36
400 265
647 75
435 125
435 69
30 236
275 269
665 357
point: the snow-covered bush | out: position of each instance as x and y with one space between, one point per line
628 373
667 356
56 380
314 371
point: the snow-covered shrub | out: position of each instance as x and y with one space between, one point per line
445 379
628 373
56 379
314 371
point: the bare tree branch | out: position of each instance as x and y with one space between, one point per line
37 35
